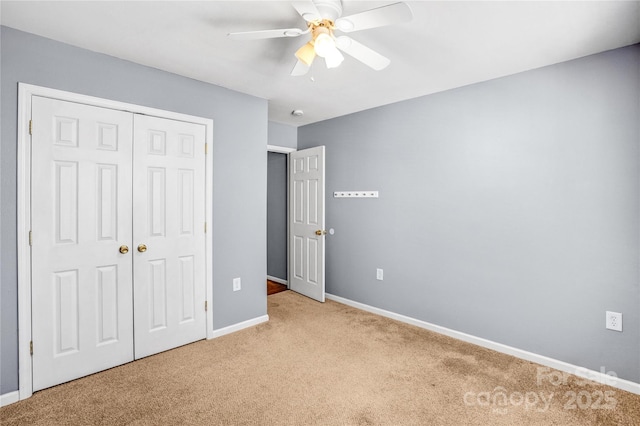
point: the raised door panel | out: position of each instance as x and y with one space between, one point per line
188 290
107 199
107 301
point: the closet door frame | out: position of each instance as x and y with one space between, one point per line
25 94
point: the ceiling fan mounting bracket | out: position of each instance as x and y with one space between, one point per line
325 26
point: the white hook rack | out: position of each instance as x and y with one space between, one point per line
355 194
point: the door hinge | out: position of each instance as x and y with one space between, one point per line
30 127
206 148
205 305
31 348
205 227
30 238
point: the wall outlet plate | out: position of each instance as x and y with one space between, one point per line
614 321
379 274
237 284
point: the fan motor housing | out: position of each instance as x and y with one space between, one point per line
329 9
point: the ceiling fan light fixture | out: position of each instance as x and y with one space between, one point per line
334 58
306 54
324 45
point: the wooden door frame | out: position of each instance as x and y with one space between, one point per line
283 150
25 94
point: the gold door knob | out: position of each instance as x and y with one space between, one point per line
124 249
142 248
321 232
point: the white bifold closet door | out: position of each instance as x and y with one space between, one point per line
82 293
105 184
168 219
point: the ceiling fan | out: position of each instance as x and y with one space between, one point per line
324 18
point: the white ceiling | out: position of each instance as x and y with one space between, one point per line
448 44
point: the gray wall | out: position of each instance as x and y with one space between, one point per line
282 135
239 188
508 209
277 215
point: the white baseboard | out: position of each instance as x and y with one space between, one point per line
596 376
9 398
278 280
237 327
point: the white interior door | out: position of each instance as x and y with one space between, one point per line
169 220
81 214
306 222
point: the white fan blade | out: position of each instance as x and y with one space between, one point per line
257 35
386 15
362 53
308 10
300 69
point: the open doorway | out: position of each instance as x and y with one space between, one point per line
277 219
295 225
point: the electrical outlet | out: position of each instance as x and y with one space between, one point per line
379 274
237 284
614 321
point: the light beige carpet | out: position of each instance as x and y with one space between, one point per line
327 364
